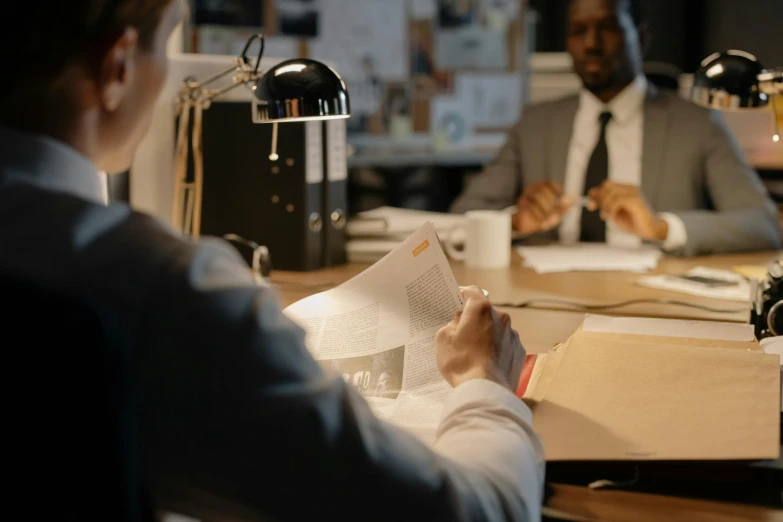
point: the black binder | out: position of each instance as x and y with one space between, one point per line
279 204
335 193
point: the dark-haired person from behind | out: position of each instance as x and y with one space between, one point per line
623 162
238 422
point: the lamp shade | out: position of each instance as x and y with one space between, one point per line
729 81
300 90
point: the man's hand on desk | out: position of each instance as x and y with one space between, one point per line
625 206
540 208
479 344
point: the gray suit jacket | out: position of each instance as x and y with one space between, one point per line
238 422
691 167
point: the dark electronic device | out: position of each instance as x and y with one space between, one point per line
766 313
706 281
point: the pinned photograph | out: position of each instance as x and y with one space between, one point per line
298 17
456 13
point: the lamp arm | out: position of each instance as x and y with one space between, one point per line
196 97
771 82
244 80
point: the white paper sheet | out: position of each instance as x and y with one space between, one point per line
393 221
355 29
471 48
496 99
452 117
739 291
709 330
378 329
588 257
422 9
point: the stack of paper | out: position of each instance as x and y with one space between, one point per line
704 282
655 389
374 233
774 345
393 221
588 257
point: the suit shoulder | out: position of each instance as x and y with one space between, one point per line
152 241
695 117
687 108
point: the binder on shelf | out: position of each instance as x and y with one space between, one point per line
277 203
335 193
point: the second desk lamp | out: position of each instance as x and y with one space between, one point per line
735 80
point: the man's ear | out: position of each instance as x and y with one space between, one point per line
645 37
117 69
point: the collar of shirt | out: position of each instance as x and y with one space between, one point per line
623 106
47 163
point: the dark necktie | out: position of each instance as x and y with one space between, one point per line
593 227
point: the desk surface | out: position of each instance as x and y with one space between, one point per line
541 328
583 504
517 284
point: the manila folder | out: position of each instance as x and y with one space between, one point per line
630 400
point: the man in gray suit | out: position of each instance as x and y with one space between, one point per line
624 162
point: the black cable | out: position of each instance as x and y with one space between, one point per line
589 307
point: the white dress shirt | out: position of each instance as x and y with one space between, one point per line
237 417
624 140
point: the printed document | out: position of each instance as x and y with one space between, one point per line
378 330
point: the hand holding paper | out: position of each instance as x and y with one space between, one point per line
479 344
624 205
541 207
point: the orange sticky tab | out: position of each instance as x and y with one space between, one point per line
421 248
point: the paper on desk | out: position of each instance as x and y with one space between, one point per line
709 330
378 329
588 257
618 399
739 291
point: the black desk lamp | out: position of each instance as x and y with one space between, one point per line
735 80
293 90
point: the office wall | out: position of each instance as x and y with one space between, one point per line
755 26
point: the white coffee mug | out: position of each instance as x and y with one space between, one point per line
487 235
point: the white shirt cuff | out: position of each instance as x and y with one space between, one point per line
482 392
677 236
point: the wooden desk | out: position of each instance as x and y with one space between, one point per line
586 505
598 288
542 328
518 284
539 330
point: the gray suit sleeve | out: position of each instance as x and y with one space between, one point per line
240 421
497 187
744 217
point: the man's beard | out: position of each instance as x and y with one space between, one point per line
598 86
